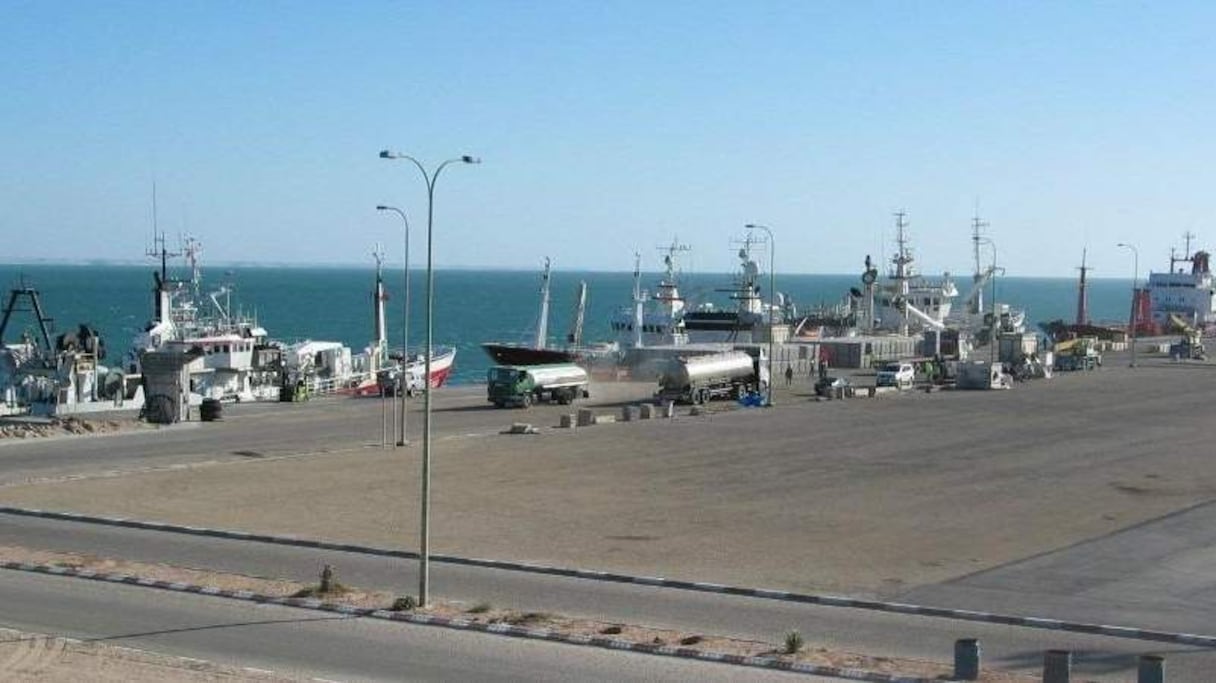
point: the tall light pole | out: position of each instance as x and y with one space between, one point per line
424 541
1135 282
772 304
403 390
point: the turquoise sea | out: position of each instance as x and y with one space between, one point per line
471 306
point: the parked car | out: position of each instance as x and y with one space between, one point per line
833 386
900 375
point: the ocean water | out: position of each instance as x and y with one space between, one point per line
471 306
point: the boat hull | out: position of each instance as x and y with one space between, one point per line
511 354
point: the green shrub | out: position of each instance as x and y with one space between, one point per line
793 642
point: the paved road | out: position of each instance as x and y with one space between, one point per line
1009 648
1154 575
311 644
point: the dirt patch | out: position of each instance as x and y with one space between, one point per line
24 428
168 667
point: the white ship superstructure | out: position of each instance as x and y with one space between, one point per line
1186 292
908 302
654 319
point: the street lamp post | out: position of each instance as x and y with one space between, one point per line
1135 282
403 390
424 541
772 303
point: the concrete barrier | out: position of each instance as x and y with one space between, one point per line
645 411
567 421
967 659
1152 669
603 419
668 409
1057 666
627 413
585 417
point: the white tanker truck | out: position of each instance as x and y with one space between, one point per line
698 379
516 385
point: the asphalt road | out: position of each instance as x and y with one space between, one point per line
303 643
1006 648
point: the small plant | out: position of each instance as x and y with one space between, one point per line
793 642
611 630
480 608
405 604
691 640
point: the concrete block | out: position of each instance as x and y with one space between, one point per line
668 409
1152 669
604 419
585 417
967 659
521 428
1057 666
567 421
645 411
627 413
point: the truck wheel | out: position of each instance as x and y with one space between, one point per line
565 396
527 401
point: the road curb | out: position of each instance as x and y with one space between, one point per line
702 587
759 662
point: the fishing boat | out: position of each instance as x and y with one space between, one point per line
538 352
43 374
906 302
654 319
748 319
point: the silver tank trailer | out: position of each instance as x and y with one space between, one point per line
700 378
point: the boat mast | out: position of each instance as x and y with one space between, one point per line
1083 293
977 304
575 338
378 298
542 325
162 304
903 266
638 301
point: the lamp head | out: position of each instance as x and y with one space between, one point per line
385 154
381 207
470 160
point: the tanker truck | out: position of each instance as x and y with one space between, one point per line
523 385
698 379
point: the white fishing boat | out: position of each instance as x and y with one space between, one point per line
238 362
906 302
654 319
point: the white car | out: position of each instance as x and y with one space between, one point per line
900 375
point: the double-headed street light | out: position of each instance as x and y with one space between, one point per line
403 390
424 541
772 305
1135 284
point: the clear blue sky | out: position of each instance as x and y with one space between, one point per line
608 127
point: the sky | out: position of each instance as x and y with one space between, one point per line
608 129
